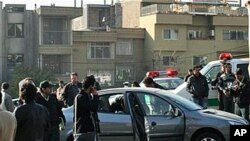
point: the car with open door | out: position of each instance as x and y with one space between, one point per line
133 114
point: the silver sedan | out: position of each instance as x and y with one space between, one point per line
131 114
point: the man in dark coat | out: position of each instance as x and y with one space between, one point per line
49 100
225 84
85 107
197 86
71 89
241 92
32 118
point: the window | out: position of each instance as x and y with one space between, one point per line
12 9
124 47
104 77
235 35
199 60
169 60
212 73
100 50
170 34
57 64
112 103
14 59
55 30
124 73
15 30
153 105
194 34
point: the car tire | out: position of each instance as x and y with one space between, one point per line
208 136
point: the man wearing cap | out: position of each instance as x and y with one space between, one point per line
241 92
49 100
225 84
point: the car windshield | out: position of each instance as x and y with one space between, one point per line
189 105
169 84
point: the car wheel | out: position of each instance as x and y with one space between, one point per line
208 136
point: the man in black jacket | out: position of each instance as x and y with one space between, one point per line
225 84
214 84
49 100
197 86
241 92
32 118
71 89
85 107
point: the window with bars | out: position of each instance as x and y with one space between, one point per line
100 50
124 72
124 47
104 77
169 60
55 30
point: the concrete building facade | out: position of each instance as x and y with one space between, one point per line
18 38
113 57
180 35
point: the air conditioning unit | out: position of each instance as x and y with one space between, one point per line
211 33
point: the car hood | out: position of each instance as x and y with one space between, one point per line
224 115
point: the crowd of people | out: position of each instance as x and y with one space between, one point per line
233 89
38 115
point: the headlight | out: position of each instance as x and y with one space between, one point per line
236 123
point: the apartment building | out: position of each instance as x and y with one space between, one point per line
55 38
180 35
113 57
18 38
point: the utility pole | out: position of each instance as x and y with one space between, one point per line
248 9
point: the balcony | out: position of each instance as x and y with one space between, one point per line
193 8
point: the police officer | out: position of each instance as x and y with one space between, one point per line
225 84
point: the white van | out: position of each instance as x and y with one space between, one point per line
210 71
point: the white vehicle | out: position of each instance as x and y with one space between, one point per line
210 71
167 79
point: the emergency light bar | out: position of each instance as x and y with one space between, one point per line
225 56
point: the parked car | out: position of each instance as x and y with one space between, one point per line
169 83
161 114
167 79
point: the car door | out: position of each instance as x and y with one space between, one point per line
159 123
114 125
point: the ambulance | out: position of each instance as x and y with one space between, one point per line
210 71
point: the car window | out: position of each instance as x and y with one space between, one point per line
169 83
153 105
113 103
211 73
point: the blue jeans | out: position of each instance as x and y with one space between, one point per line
200 101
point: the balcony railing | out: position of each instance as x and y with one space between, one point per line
192 9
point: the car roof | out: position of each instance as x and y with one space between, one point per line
164 78
121 90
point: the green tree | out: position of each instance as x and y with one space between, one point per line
21 72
